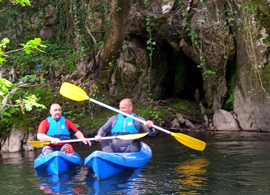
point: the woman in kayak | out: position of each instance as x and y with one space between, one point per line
56 128
119 125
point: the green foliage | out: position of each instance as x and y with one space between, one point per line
202 62
29 102
33 44
209 111
229 98
150 47
29 47
33 79
266 41
180 4
22 2
250 21
8 17
229 102
95 95
6 117
98 45
60 53
208 72
194 37
149 25
5 85
25 100
3 44
153 112
11 114
156 113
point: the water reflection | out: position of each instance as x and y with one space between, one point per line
127 182
83 181
66 183
15 158
231 164
192 174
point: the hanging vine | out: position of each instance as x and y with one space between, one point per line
196 39
249 27
150 46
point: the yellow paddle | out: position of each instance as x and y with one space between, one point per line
78 94
39 144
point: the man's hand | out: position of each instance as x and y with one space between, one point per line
54 140
98 138
80 135
87 142
149 124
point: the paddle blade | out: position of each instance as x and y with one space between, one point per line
73 92
38 144
189 141
131 136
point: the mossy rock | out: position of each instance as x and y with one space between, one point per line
89 126
186 107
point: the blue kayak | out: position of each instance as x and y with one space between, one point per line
57 162
106 164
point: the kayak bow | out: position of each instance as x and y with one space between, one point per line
106 164
57 162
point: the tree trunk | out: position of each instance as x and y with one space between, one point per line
116 33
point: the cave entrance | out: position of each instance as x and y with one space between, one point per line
188 81
185 81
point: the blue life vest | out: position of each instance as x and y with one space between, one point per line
124 125
58 129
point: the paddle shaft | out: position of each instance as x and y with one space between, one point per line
86 139
123 113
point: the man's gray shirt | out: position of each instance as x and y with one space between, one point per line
122 143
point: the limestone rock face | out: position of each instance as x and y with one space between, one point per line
215 41
42 22
14 141
135 71
175 124
170 24
224 120
252 111
252 83
17 141
29 137
180 118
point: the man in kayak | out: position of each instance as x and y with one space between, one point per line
56 128
118 125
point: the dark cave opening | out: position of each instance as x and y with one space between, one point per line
186 80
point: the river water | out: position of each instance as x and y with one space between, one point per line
232 163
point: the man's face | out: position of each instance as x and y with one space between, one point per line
125 107
55 111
